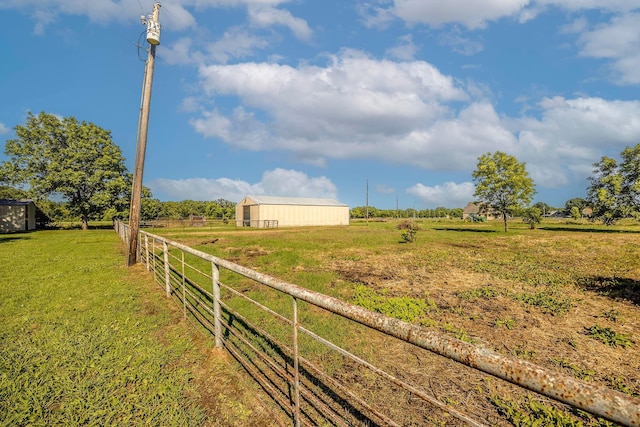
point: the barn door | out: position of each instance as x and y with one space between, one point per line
246 216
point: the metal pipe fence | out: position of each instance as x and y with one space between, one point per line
383 371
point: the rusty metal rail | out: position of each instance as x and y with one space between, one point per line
302 379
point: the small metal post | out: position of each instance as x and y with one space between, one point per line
153 257
184 293
146 250
167 277
296 373
217 325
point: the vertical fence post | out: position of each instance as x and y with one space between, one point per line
184 293
296 371
153 258
217 325
146 250
167 272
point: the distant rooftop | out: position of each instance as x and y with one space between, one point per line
11 202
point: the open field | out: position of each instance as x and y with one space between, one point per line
564 296
86 341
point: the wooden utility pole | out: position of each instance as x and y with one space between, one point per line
153 37
366 213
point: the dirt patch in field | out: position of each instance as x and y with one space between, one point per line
512 320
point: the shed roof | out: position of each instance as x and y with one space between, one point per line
11 202
306 201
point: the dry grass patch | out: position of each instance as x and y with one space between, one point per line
563 296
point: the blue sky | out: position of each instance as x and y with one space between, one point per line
314 98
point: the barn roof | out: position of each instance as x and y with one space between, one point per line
306 201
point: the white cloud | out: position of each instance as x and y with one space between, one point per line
478 13
447 194
407 113
618 41
45 12
459 43
3 129
472 14
571 134
235 43
374 16
277 182
282 182
266 16
576 26
353 96
575 5
405 49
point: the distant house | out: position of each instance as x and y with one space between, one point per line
474 209
270 211
17 215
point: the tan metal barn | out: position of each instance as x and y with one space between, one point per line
270 211
17 215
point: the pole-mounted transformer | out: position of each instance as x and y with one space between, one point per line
153 27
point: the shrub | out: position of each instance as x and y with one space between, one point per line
409 230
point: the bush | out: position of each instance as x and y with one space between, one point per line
409 230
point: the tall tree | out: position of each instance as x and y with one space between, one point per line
630 169
75 161
614 192
503 184
576 202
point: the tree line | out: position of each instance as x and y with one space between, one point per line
74 171
439 212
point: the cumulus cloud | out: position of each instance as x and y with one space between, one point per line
354 97
571 134
473 14
406 113
267 16
618 40
477 14
277 182
447 194
3 129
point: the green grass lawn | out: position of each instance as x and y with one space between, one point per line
86 341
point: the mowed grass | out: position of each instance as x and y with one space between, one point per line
86 341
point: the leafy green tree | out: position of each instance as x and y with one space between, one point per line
575 213
575 202
11 193
607 194
150 208
456 213
630 170
532 216
543 207
75 161
502 184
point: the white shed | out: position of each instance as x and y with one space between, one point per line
17 215
269 211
